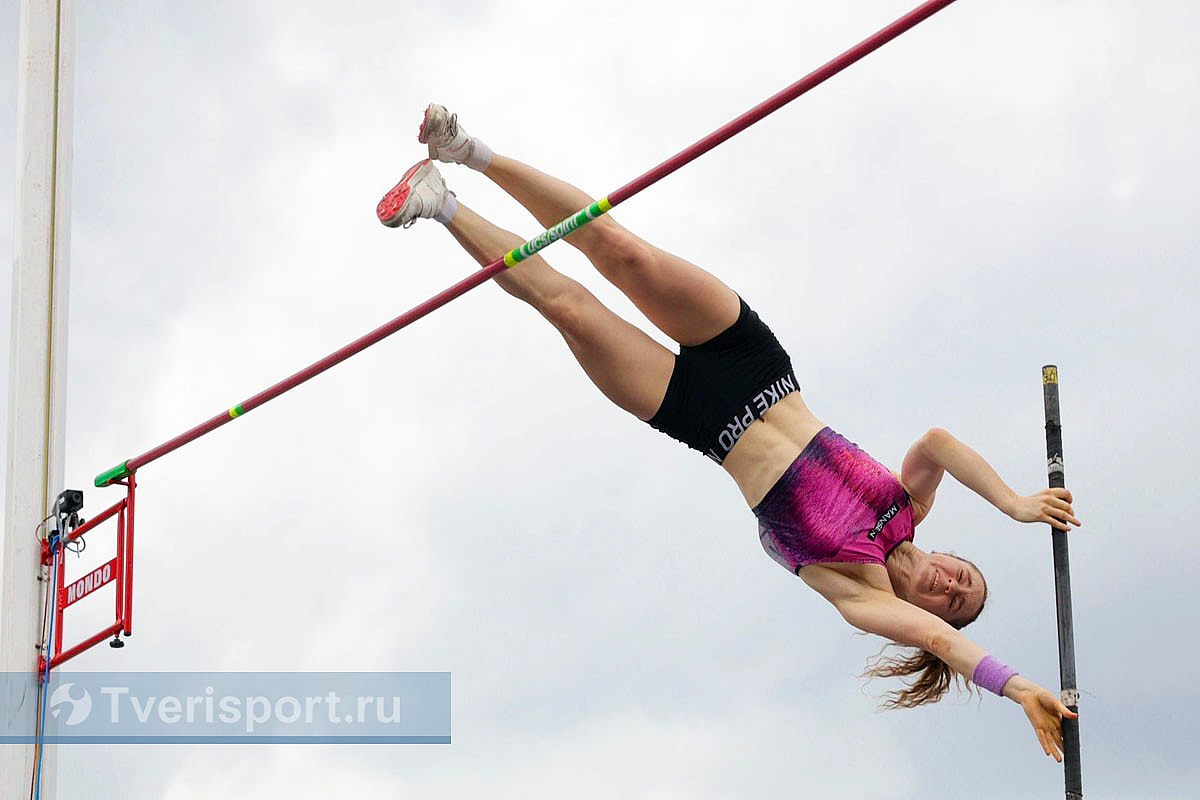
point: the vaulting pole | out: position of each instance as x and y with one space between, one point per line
547 237
1073 772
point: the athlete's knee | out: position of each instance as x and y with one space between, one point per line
570 309
621 249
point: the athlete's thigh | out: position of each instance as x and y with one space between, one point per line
628 366
687 303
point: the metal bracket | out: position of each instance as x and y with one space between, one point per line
118 570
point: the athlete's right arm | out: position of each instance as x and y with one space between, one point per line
938 451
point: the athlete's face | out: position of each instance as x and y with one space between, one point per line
948 587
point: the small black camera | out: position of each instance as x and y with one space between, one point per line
69 502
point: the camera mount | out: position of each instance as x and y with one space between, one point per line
70 527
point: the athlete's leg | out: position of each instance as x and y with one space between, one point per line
629 367
684 301
687 303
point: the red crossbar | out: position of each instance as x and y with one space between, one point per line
627 191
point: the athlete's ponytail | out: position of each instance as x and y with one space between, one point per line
933 680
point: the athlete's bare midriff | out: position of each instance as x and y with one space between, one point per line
770 445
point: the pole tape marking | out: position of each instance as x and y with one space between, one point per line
235 412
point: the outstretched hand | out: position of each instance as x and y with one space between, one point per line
1049 505
1046 712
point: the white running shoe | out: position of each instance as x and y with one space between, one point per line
450 143
421 193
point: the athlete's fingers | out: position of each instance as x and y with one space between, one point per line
1061 505
1055 523
1044 743
1068 522
1060 521
1069 513
1055 749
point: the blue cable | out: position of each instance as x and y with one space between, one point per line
41 745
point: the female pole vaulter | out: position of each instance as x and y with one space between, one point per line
826 510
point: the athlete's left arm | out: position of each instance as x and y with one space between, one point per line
876 611
937 452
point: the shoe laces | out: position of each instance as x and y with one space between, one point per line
418 216
445 128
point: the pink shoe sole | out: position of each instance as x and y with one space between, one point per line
424 121
392 204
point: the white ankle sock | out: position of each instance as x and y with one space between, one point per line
449 209
481 156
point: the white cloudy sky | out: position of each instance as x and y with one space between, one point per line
1011 184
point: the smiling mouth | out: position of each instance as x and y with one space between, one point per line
933 581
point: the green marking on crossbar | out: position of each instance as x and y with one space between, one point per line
552 235
108 477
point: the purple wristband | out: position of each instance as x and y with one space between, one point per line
992 675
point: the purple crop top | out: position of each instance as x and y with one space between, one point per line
835 504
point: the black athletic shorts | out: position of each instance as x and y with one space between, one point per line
719 388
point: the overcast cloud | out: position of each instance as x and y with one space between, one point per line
1010 184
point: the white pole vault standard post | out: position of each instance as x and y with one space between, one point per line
37 367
